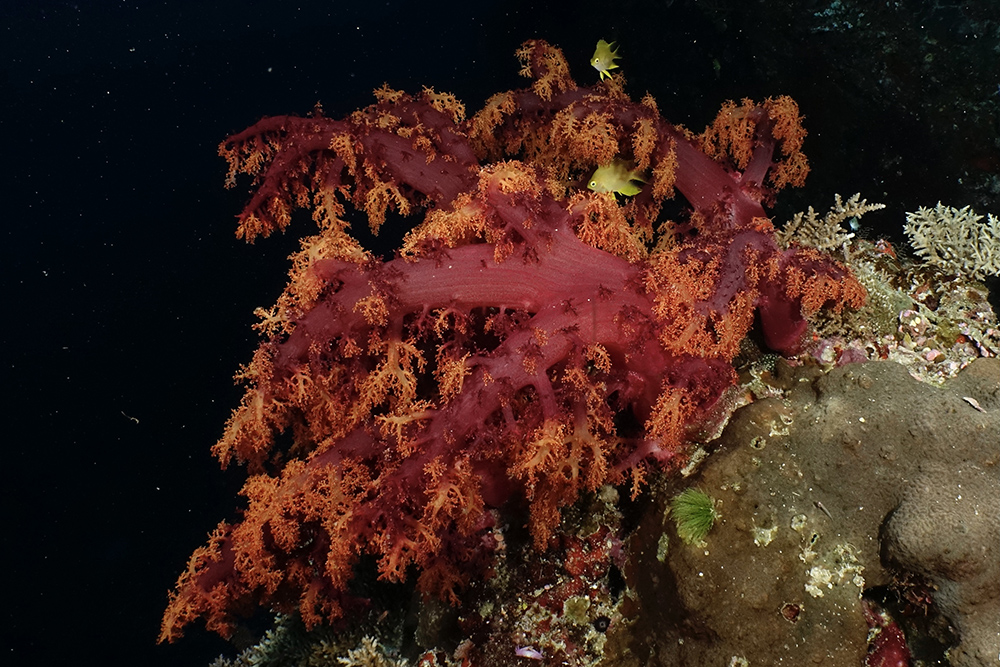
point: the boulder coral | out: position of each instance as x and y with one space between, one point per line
850 483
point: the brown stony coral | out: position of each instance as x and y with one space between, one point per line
852 481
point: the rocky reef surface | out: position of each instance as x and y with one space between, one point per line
857 489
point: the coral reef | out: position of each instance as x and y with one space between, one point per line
845 485
455 424
930 315
563 606
532 342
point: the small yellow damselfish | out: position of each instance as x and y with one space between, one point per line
616 177
604 58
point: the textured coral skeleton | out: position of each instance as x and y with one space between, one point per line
531 342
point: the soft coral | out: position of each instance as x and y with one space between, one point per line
526 344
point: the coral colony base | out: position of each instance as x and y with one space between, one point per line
463 417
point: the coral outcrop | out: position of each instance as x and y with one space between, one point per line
856 483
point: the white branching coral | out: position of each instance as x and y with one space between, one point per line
955 240
369 654
828 232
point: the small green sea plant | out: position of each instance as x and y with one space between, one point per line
694 513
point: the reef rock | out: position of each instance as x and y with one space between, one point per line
856 481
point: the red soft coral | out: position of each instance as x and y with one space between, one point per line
531 342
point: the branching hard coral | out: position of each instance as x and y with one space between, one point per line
531 342
828 232
955 241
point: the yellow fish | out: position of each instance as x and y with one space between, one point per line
604 58
616 177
